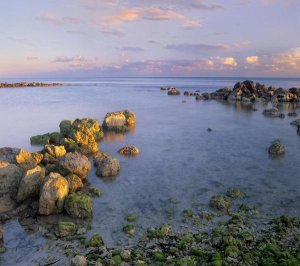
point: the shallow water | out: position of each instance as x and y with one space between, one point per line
181 165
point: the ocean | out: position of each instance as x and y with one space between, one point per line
181 165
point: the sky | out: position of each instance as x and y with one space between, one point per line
145 38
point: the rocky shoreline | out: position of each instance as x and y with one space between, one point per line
53 182
28 84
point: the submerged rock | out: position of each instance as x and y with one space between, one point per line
66 229
79 205
53 194
119 121
79 261
31 183
106 165
129 151
296 123
74 163
273 112
276 148
2 248
10 177
220 203
96 241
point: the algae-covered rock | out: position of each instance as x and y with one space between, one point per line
96 241
129 151
129 229
106 165
74 182
131 218
74 163
79 205
20 157
66 229
10 177
220 203
235 193
31 183
82 131
119 121
53 194
40 140
277 148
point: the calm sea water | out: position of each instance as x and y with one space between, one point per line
181 165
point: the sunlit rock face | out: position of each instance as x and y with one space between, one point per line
129 151
74 163
10 177
120 121
106 165
17 156
53 194
30 183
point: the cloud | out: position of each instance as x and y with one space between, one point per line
76 61
115 33
288 59
51 18
32 58
132 49
252 59
152 13
229 61
196 48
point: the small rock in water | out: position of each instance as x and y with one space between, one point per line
129 151
277 148
106 165
292 114
173 91
209 129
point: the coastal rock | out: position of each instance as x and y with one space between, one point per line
74 182
272 112
106 165
55 151
74 163
284 96
10 177
296 123
129 151
119 121
85 132
48 138
79 261
188 93
2 248
37 156
66 229
199 97
31 183
276 148
53 194
220 203
173 91
79 205
70 145
292 114
20 157
48 159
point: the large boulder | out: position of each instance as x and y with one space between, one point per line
10 177
119 121
272 112
85 133
53 194
79 205
20 157
74 163
75 182
106 165
82 131
31 183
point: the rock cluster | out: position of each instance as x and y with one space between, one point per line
28 84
